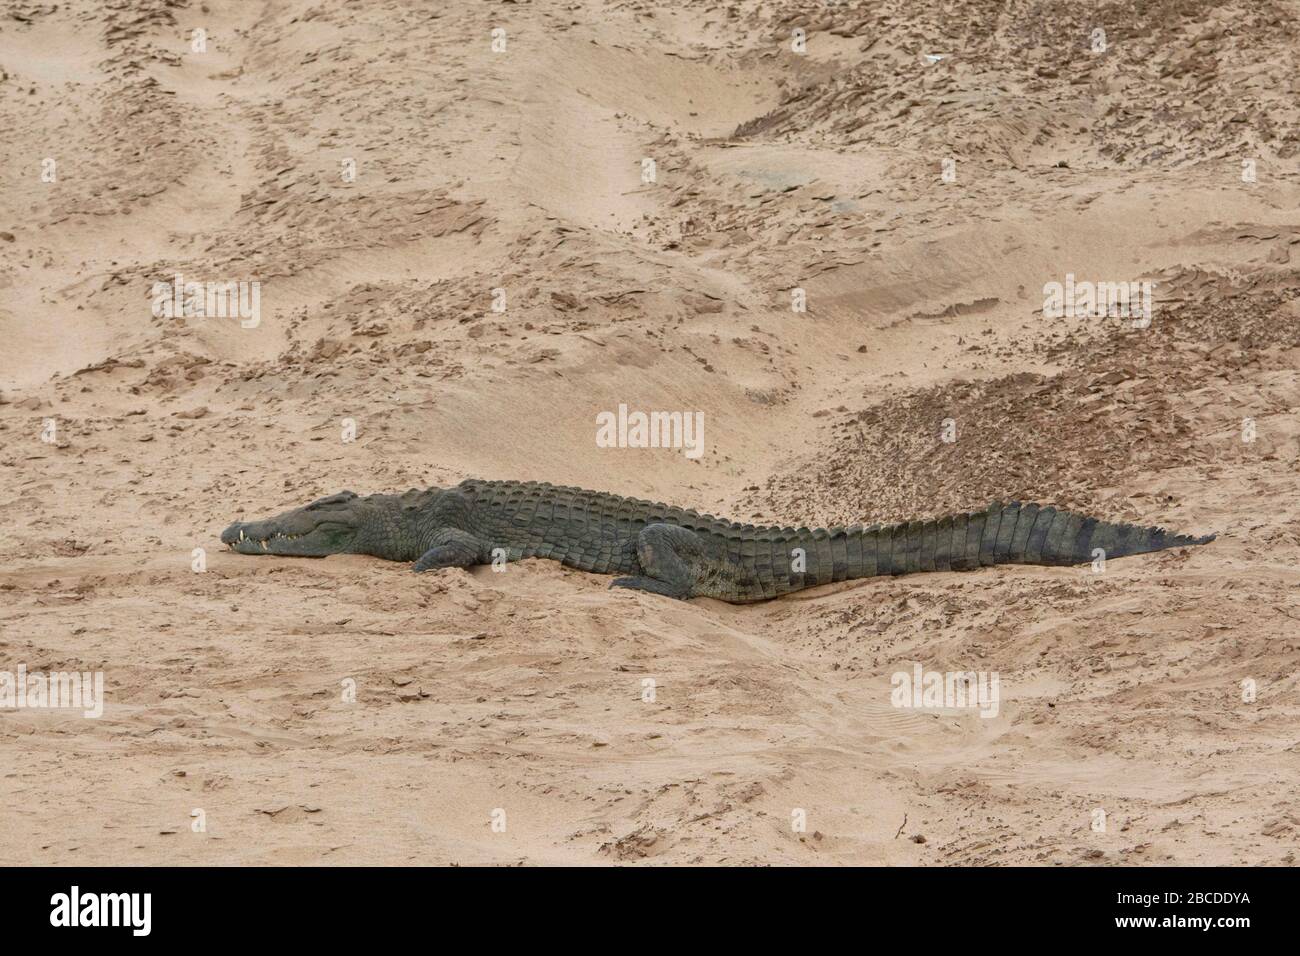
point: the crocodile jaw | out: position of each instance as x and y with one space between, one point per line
258 538
324 527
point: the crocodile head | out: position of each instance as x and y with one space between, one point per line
333 525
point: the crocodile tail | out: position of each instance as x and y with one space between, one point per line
1003 534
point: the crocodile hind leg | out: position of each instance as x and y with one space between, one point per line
450 548
670 557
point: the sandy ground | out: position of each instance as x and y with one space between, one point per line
522 696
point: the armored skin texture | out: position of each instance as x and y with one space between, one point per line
672 551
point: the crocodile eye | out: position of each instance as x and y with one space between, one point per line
342 498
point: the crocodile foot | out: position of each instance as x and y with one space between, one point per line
651 585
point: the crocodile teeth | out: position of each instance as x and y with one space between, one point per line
241 534
263 545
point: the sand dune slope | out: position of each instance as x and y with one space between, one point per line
467 244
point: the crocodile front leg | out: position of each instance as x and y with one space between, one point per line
451 548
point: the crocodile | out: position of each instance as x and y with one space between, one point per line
673 551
